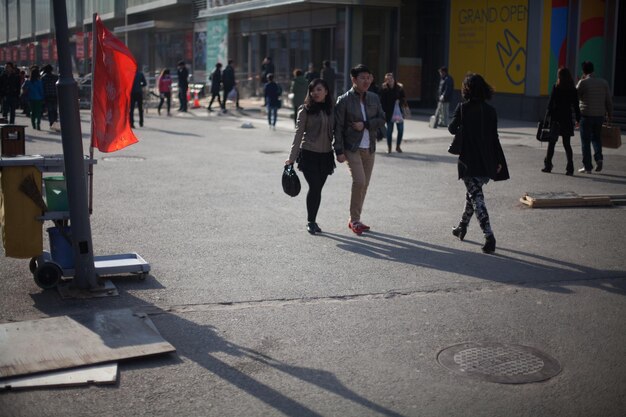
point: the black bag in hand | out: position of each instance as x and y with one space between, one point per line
547 130
291 182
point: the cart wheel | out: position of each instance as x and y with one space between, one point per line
32 265
143 276
47 276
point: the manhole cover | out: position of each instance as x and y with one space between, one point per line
123 158
501 363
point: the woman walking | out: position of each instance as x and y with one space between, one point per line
33 88
312 146
165 89
393 100
563 99
481 157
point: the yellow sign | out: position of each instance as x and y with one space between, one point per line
489 37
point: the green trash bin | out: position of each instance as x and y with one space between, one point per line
56 193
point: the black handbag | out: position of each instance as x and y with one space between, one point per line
547 129
457 142
291 182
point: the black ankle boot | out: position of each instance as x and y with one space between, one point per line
490 244
547 166
569 170
460 231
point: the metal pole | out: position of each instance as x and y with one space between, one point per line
85 273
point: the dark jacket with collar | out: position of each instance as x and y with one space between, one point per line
562 101
481 152
348 110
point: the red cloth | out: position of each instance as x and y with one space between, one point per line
114 73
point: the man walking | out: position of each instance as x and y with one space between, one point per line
446 87
183 85
228 84
595 105
358 116
49 81
136 97
11 88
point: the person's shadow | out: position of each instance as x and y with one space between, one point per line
525 269
203 345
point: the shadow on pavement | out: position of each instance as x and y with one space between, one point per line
202 344
538 272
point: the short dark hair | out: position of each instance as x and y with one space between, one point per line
270 77
326 63
355 71
475 87
587 67
297 72
47 69
443 69
181 62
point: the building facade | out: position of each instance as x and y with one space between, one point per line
516 44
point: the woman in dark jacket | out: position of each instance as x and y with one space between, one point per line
392 93
562 99
481 157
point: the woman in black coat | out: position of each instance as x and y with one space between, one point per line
562 100
481 157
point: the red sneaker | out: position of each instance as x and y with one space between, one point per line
356 227
365 227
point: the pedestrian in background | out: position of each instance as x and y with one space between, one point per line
33 89
272 93
228 83
216 85
446 88
595 106
328 75
358 115
183 85
299 87
51 100
11 88
481 157
311 73
136 97
563 100
393 100
312 146
267 67
165 90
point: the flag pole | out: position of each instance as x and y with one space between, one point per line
94 40
73 157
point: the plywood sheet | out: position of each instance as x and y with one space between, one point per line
70 341
564 199
105 373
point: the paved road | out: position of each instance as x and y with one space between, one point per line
268 320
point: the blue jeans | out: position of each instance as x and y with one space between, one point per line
590 134
272 113
390 133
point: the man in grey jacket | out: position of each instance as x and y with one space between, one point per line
595 105
446 87
358 115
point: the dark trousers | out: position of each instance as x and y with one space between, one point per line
165 96
9 107
590 134
215 95
568 153
136 99
51 105
182 97
316 181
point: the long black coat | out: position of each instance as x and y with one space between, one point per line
481 152
562 101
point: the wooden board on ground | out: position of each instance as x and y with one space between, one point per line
71 341
564 199
105 373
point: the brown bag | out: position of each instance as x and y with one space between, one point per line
611 136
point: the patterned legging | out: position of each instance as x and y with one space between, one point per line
475 203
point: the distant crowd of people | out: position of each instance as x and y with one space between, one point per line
34 92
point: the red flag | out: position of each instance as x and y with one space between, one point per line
113 76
